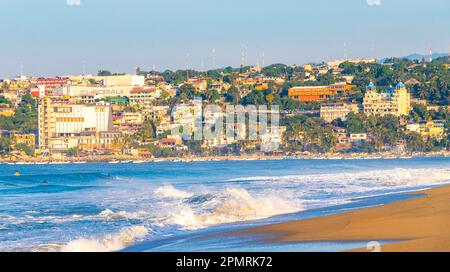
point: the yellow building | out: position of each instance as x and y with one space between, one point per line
13 96
199 84
320 93
261 86
7 112
28 139
63 118
19 84
143 96
307 67
99 141
394 101
429 129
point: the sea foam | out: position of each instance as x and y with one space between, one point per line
109 243
233 205
360 180
168 191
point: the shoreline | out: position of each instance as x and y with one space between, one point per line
251 157
419 224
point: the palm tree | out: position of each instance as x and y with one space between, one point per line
123 142
422 91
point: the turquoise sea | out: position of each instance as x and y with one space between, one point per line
175 206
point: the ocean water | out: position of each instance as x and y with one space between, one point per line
174 206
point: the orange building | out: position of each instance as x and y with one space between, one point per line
319 93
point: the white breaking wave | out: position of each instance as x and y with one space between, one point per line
105 215
110 215
391 178
186 211
168 191
108 243
235 205
326 189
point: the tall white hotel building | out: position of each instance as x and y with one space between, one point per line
61 119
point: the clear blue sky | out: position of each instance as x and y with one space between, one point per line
51 37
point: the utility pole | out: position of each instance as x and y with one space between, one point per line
187 65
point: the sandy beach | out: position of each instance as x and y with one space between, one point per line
420 224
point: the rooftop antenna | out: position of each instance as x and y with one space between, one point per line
213 58
246 55
345 51
84 67
242 56
263 58
187 65
21 68
372 51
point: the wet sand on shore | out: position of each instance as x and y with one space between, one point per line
419 224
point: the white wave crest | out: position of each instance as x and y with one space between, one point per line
237 205
110 215
389 178
109 243
168 191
